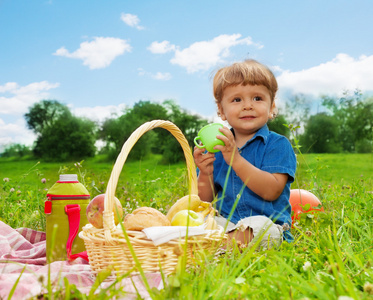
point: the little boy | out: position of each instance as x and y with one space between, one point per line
252 173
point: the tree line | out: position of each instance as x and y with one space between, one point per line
344 125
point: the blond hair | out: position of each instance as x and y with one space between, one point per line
246 72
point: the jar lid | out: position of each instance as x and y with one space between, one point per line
68 177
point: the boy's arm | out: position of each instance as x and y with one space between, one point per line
267 185
206 190
205 164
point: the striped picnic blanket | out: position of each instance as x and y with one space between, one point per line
24 271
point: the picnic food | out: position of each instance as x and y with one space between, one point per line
187 217
95 211
192 202
144 217
211 222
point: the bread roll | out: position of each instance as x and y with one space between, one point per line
144 217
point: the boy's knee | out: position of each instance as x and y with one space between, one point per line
241 237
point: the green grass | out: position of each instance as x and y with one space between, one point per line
335 168
332 255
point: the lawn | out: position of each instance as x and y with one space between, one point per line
331 258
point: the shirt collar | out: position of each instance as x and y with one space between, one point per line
261 133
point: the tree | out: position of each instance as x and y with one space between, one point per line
116 131
354 116
321 134
188 124
60 135
278 125
16 150
44 114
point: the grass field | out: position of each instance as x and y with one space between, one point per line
331 258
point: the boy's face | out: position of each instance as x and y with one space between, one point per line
246 108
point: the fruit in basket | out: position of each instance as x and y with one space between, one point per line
181 218
95 210
191 202
144 217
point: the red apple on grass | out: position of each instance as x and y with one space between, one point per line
95 210
181 218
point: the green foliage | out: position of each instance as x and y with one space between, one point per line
67 139
189 126
16 150
321 134
60 135
278 125
354 118
116 131
44 114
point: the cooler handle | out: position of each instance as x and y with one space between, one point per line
73 214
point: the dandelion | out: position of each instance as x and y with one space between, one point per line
306 266
6 179
43 180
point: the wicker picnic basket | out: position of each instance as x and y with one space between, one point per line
108 247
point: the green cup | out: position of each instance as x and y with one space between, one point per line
206 138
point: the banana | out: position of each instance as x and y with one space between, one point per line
191 202
203 206
210 221
207 210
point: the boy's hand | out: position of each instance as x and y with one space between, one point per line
229 150
204 161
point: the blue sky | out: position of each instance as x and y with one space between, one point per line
99 57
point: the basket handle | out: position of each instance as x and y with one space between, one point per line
135 136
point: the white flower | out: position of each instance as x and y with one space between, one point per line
306 266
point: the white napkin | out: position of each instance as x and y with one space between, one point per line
162 234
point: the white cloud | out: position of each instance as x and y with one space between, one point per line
161 47
98 113
342 73
17 99
162 76
131 20
15 133
201 56
98 53
157 76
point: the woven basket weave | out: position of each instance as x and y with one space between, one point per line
108 248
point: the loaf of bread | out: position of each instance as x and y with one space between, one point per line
144 217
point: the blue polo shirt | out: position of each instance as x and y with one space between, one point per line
269 152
